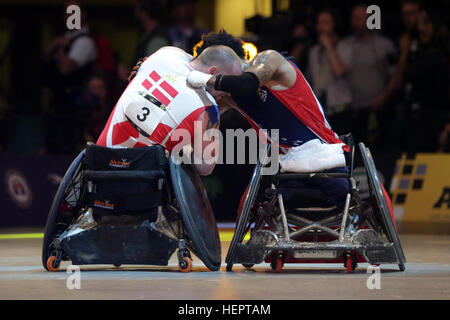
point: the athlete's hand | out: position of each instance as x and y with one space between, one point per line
197 79
136 69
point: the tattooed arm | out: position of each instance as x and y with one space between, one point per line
270 69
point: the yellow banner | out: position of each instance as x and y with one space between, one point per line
421 188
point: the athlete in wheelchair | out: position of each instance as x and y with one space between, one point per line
124 200
310 213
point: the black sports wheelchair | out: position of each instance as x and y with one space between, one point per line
309 228
130 206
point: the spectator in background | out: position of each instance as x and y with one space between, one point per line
71 57
300 45
444 139
96 105
184 34
369 74
150 13
409 41
8 120
69 62
327 68
428 76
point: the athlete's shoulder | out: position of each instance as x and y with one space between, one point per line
170 51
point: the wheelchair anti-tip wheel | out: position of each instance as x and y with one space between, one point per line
277 263
52 264
350 263
184 260
185 265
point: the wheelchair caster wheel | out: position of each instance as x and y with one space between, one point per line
277 264
350 264
248 265
52 264
185 265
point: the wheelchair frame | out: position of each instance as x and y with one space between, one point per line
343 237
164 235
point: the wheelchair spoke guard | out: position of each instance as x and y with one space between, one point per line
198 216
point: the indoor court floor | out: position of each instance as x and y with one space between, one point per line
427 276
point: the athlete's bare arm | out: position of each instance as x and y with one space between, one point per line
272 69
268 68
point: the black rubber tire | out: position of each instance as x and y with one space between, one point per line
245 214
207 248
50 227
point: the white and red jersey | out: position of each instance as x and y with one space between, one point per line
156 103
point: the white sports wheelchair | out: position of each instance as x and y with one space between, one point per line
305 230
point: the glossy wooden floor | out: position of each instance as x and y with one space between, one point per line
427 276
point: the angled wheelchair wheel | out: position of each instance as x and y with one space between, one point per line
64 207
197 214
245 212
378 193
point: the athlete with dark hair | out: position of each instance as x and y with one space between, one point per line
220 38
273 94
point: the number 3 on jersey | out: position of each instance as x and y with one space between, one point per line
143 117
147 114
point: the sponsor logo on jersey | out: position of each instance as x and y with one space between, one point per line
262 93
172 77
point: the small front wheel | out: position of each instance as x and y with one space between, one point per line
185 265
350 263
277 264
52 264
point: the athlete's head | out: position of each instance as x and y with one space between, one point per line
221 38
218 60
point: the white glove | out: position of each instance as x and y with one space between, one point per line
197 79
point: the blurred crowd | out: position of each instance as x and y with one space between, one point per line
392 92
85 77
